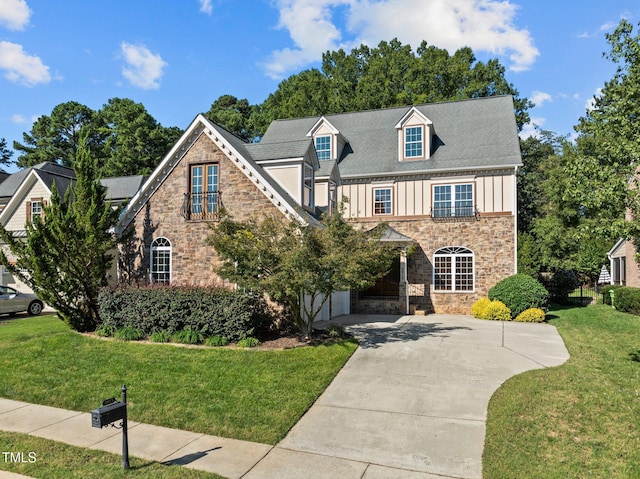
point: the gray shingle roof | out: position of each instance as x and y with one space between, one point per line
469 134
122 187
273 151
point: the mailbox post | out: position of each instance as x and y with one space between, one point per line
110 412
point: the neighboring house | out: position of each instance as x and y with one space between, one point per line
443 176
623 267
24 194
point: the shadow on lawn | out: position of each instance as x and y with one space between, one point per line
635 356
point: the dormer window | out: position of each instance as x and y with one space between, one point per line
414 136
323 147
413 142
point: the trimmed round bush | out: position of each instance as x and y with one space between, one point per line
531 315
497 311
479 308
520 292
627 299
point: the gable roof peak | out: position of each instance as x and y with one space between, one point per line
413 111
322 121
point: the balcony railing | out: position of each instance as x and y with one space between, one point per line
457 213
202 206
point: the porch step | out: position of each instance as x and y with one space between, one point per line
420 312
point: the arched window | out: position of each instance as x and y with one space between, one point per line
453 269
161 261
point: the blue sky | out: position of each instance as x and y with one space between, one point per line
177 57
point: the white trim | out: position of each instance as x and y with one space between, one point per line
21 192
373 200
322 121
453 257
153 249
413 110
199 126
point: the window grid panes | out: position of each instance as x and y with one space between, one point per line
323 147
212 187
453 200
453 269
161 261
196 190
413 142
36 209
382 201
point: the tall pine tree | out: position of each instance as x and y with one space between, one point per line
67 255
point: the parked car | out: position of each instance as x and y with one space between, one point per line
13 301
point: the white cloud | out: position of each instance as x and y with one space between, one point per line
532 128
20 67
591 102
143 68
14 14
484 25
18 119
540 97
206 7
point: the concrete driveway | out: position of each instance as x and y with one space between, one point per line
412 401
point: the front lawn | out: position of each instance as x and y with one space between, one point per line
579 420
242 394
54 460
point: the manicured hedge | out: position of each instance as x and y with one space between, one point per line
627 300
520 292
606 297
233 315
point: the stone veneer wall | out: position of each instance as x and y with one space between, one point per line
491 239
192 259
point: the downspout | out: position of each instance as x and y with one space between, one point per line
515 216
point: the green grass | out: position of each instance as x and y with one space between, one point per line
54 460
241 394
579 420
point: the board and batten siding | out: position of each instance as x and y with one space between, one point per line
492 194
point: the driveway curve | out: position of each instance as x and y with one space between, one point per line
411 403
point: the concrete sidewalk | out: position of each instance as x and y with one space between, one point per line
411 403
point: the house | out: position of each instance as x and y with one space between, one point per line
24 194
442 176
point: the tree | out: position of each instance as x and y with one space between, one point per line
388 75
5 153
234 115
133 141
67 255
608 146
288 261
56 137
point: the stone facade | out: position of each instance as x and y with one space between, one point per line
491 238
192 259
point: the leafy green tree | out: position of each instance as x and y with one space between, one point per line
289 261
56 137
134 142
5 153
388 75
233 114
608 145
67 255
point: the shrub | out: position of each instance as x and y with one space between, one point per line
628 300
520 292
161 337
606 297
128 333
248 342
336 331
497 311
104 331
479 308
187 336
562 283
531 315
209 311
216 341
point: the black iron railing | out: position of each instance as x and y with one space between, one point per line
460 213
202 206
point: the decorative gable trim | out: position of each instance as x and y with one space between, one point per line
202 126
322 122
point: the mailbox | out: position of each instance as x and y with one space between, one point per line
105 415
